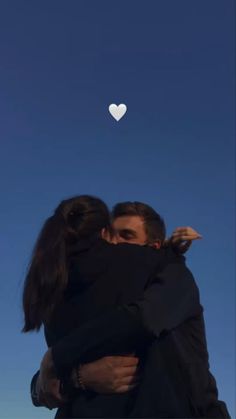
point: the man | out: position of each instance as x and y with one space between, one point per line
135 223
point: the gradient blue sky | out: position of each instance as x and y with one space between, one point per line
61 64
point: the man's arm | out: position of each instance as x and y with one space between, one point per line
170 299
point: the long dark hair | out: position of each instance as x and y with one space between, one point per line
47 276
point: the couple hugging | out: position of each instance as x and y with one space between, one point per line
121 314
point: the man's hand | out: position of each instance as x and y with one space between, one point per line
48 385
182 237
50 398
110 374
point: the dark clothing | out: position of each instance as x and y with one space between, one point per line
173 385
125 297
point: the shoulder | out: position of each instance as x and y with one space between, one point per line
174 268
136 250
149 255
168 255
143 257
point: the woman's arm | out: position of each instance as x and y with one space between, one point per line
108 363
171 298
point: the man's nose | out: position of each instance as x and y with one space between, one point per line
114 240
117 238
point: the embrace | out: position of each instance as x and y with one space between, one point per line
121 314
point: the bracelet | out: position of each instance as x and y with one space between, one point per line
79 378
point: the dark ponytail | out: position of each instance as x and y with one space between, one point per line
47 276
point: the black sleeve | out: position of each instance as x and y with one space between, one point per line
33 393
170 299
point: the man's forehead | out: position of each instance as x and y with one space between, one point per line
128 221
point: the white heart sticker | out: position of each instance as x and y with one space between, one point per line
117 111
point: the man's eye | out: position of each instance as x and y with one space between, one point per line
126 235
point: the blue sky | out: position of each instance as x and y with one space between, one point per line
62 64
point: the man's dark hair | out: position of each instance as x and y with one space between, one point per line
154 224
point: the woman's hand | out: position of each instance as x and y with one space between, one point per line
182 237
110 374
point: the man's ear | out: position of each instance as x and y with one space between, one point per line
104 234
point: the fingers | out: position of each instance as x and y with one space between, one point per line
50 395
132 379
186 234
186 231
124 361
127 371
51 402
183 237
126 388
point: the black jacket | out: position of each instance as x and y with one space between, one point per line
127 297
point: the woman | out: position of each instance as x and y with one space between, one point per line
61 273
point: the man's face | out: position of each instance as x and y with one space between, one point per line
130 229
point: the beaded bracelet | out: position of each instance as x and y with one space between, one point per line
79 378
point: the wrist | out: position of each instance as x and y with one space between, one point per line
73 378
79 378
